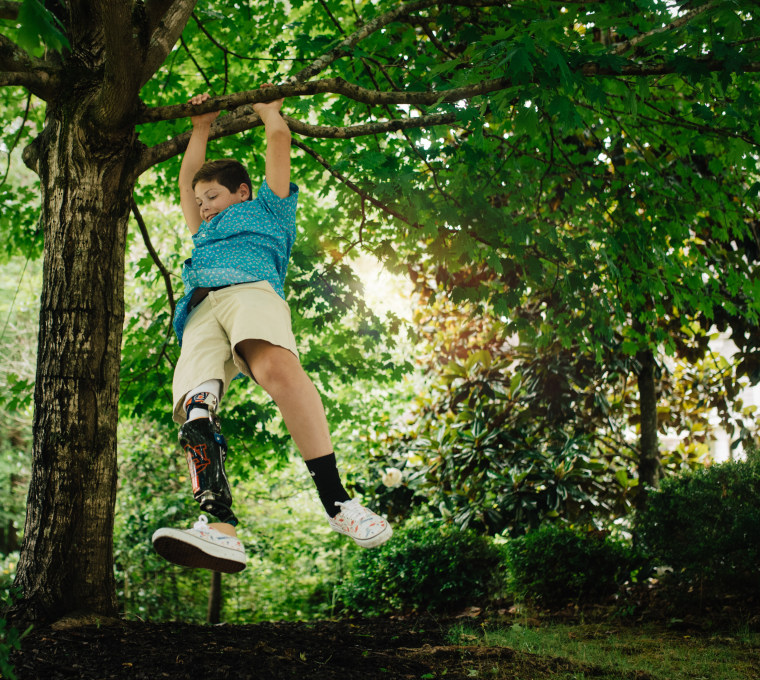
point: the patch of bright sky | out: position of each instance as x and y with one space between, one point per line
384 291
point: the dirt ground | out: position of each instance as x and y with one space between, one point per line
342 650
373 648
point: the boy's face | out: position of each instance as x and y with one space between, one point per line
212 198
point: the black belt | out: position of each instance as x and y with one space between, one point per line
200 294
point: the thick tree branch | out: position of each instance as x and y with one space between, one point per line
426 98
223 127
19 68
8 9
706 63
622 47
137 39
155 11
13 58
367 129
329 85
37 83
166 32
231 125
123 51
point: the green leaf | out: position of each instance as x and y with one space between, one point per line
564 109
526 121
519 65
38 26
555 60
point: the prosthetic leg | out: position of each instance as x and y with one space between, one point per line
206 450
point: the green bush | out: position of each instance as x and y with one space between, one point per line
555 565
435 568
706 526
10 636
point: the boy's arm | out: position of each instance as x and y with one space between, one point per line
278 147
195 156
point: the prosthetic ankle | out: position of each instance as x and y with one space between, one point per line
206 450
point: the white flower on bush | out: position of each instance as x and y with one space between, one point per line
392 477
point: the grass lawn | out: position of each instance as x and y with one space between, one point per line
607 652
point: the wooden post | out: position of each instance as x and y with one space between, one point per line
214 598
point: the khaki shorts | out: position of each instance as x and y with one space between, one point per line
213 329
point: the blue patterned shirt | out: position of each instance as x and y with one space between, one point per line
246 242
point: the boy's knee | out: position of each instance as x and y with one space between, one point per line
273 367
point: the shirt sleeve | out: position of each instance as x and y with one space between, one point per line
283 210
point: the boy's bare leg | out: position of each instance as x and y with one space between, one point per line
280 373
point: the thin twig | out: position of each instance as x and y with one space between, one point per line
332 16
229 52
197 65
13 301
371 199
433 39
620 48
154 255
343 179
17 138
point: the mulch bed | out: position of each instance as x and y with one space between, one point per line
386 648
374 648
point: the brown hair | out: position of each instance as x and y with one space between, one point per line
229 173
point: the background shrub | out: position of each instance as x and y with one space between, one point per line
706 526
555 565
436 568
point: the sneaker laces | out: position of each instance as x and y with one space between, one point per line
353 510
201 524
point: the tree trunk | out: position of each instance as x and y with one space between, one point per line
650 469
66 563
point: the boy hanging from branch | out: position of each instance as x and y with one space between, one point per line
234 319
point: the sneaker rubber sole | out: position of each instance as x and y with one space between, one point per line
371 542
187 550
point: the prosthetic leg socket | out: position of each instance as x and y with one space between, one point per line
206 451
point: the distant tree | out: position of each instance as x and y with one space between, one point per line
509 434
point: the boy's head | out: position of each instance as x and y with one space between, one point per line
220 184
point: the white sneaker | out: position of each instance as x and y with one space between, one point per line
200 547
363 525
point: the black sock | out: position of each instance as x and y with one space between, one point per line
324 470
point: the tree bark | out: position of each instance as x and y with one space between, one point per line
650 469
66 562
